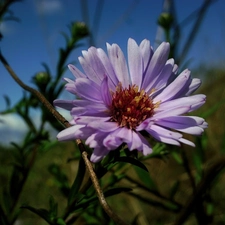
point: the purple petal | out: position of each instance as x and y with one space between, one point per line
195 84
162 79
75 71
103 126
135 142
74 132
146 148
112 141
183 124
187 142
105 93
78 111
98 106
65 104
164 135
70 86
119 64
88 90
88 119
98 154
157 63
95 139
135 62
171 112
88 69
113 81
174 89
194 102
146 52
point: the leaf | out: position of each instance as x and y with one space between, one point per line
60 221
61 178
135 220
43 213
7 100
174 189
132 161
3 218
47 69
145 178
176 155
87 201
7 201
78 181
53 208
115 191
212 109
65 36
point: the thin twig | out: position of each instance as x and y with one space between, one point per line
210 175
66 124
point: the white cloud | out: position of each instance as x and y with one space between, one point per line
12 129
48 7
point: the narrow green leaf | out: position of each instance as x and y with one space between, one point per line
61 178
145 177
7 201
177 157
3 218
78 181
87 201
209 208
132 161
115 191
212 109
174 189
7 100
53 208
47 69
43 213
60 221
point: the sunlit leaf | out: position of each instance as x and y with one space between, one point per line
145 177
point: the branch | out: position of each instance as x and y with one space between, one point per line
66 124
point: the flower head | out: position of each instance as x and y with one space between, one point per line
117 101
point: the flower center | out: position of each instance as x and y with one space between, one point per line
130 107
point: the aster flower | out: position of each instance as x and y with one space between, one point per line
118 100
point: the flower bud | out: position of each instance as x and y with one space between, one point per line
41 79
165 20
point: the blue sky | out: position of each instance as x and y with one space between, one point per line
36 38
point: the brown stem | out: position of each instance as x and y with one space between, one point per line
99 191
66 124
